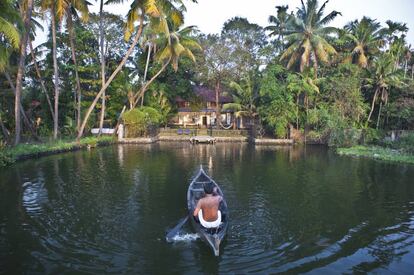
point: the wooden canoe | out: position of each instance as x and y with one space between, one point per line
213 237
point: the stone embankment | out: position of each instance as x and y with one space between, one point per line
165 138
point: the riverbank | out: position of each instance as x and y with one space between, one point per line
377 152
9 155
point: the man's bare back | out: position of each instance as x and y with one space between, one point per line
209 205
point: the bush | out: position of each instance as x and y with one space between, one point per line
6 157
371 136
315 137
139 121
404 143
344 137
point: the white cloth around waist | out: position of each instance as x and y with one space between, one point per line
207 224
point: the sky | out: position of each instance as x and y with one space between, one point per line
210 15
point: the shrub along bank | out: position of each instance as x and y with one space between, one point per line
401 150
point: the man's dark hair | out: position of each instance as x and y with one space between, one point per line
208 187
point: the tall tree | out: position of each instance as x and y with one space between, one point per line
215 65
307 36
28 8
42 83
172 47
366 38
381 78
71 9
247 44
53 6
278 24
102 59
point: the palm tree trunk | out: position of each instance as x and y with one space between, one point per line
146 69
218 115
297 112
26 120
379 115
412 72
315 65
101 42
372 105
56 72
20 71
73 51
128 53
405 68
141 93
42 83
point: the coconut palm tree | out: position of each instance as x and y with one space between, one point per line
53 6
307 34
172 46
9 20
278 23
407 57
394 30
149 39
60 9
102 52
140 11
27 8
381 78
366 38
71 9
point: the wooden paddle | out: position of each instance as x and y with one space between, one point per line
173 232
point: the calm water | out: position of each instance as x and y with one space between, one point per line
293 210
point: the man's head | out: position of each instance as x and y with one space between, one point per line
208 187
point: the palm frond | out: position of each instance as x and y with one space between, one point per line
4 58
113 2
289 51
151 8
293 59
177 18
164 54
10 32
60 6
191 44
329 18
189 54
304 60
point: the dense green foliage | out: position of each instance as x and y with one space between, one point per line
299 73
140 121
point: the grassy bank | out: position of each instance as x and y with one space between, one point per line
376 152
8 155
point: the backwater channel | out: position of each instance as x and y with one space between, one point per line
292 209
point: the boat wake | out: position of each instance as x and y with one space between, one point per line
184 237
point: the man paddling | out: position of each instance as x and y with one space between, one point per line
207 208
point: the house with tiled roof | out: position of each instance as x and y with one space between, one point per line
200 111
